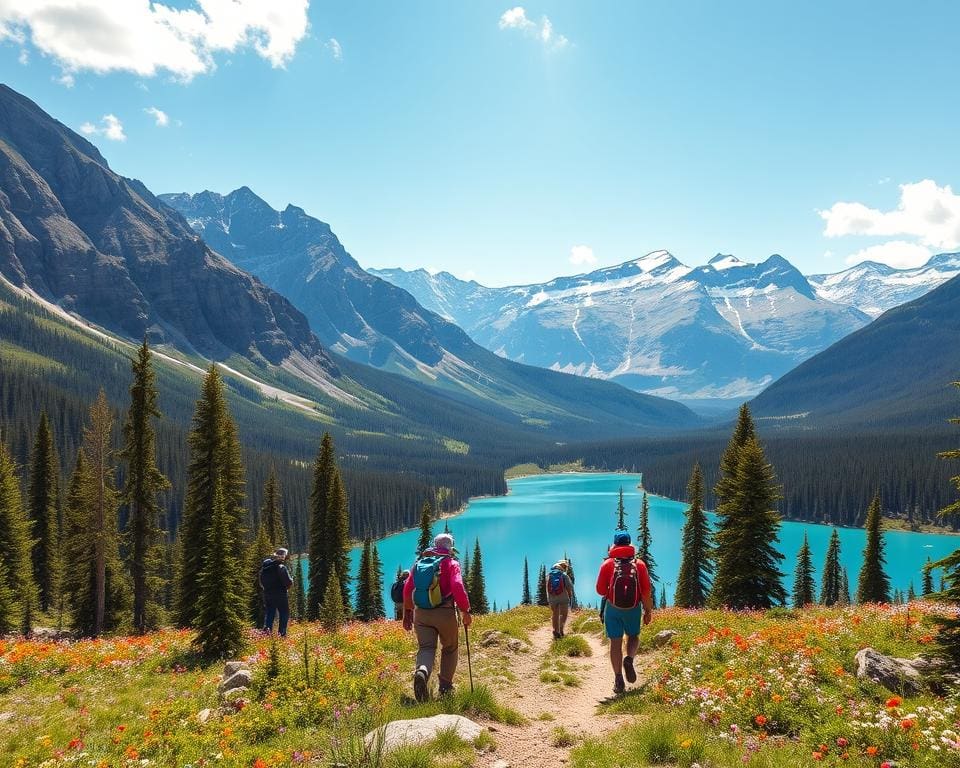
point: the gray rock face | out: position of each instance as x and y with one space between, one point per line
492 637
232 667
897 675
663 637
102 246
239 679
401 733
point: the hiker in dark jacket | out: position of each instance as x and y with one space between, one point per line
624 584
275 581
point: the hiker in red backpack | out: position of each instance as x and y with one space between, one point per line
559 595
431 594
624 583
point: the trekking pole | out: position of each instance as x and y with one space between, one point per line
466 635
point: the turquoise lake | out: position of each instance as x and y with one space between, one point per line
545 516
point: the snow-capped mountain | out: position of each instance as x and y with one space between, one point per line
875 288
725 329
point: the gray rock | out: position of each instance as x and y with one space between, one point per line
491 637
517 646
500 764
239 679
234 695
897 675
401 733
232 667
663 637
203 715
4 716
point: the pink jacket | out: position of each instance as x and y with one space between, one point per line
451 582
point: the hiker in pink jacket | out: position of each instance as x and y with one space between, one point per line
432 613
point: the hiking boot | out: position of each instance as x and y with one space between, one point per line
556 635
445 688
628 669
420 690
619 686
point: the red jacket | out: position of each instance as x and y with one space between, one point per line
605 577
451 582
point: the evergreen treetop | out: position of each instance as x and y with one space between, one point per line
526 598
477 591
542 586
15 582
42 503
926 587
644 541
803 587
271 515
621 513
425 541
948 638
696 565
832 576
319 571
873 585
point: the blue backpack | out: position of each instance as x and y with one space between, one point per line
426 581
555 585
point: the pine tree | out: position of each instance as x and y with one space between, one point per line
477 591
214 458
219 614
271 515
831 581
378 609
364 606
319 570
748 574
644 542
527 598
873 586
663 596
332 612
948 638
844 589
696 566
338 534
726 487
16 587
542 586
259 549
926 588
300 601
911 593
621 513
803 588
465 570
11 616
425 540
144 483
42 502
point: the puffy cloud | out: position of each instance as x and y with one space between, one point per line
162 118
926 211
336 50
582 254
24 57
145 37
110 127
516 18
896 253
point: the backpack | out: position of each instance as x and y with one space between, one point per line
396 591
270 578
625 586
555 582
426 581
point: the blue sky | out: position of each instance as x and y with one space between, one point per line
501 143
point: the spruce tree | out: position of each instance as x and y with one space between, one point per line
726 487
338 534
621 513
526 598
803 588
644 542
219 615
911 593
379 609
271 515
144 483
319 571
477 590
425 540
748 574
258 551
465 570
948 638
844 589
42 503
873 586
663 596
542 586
214 458
16 582
831 581
332 611
926 588
11 616
696 565
364 606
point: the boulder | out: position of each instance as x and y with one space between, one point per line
663 638
232 667
897 675
517 646
203 715
491 637
401 733
239 679
500 764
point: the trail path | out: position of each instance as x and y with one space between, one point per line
573 708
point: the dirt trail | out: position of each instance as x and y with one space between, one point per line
573 708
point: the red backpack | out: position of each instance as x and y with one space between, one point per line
624 589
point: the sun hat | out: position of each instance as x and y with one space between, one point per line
281 552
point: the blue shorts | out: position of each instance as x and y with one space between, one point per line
619 621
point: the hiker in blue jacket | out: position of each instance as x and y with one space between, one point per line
275 581
559 596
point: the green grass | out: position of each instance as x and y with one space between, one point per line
556 671
586 622
560 737
522 470
572 645
479 703
518 622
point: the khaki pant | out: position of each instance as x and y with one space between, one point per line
433 623
558 612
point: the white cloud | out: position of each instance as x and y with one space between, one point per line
162 118
516 18
110 127
926 211
582 254
144 37
66 80
24 57
336 50
896 253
